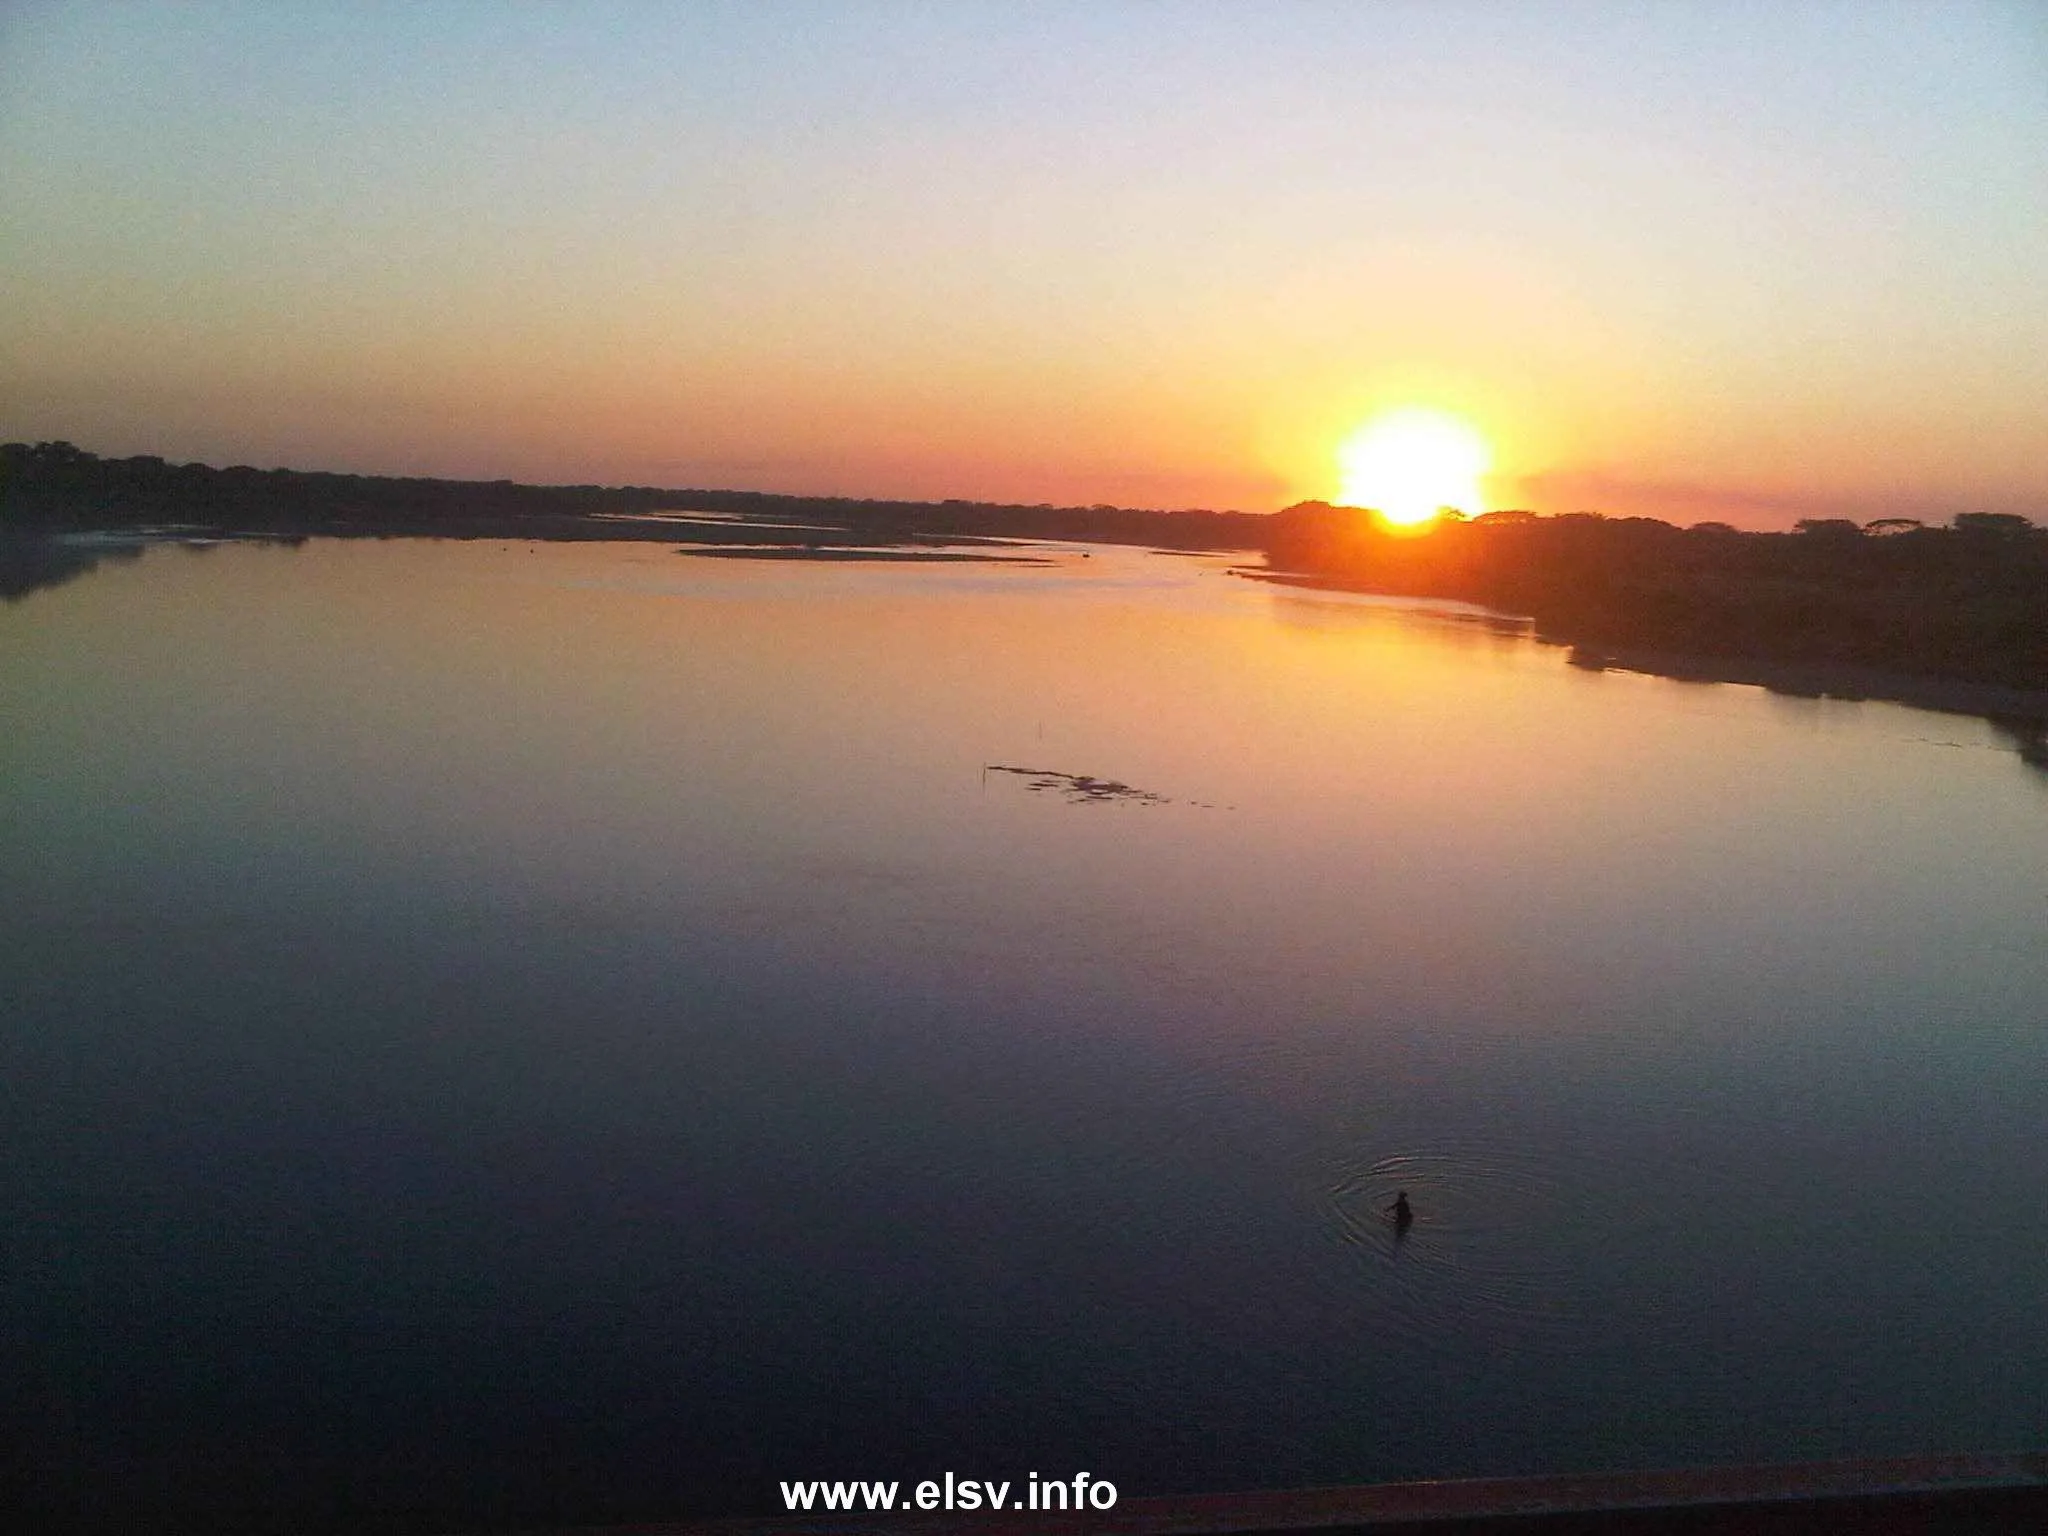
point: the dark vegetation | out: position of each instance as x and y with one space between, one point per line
57 486
1964 604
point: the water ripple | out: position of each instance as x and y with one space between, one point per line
1483 1258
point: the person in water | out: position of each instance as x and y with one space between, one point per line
1404 1217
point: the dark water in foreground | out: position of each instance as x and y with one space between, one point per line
497 1034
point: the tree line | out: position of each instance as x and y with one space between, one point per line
1968 601
56 484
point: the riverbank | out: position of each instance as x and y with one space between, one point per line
2021 713
1951 618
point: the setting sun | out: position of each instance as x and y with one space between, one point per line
1410 464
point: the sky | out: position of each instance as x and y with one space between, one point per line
1742 261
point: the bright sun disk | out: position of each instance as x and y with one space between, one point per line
1408 465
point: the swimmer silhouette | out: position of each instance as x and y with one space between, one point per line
1404 1217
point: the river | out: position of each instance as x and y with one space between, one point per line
502 1033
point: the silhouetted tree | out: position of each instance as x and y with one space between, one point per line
1996 524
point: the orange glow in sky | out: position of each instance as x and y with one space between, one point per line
1670 263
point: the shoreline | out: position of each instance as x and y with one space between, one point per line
37 556
905 554
2020 712
1842 681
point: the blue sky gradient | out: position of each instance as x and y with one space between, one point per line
1750 261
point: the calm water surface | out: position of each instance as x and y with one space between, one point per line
503 1033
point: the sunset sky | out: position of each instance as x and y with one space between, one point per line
1747 261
